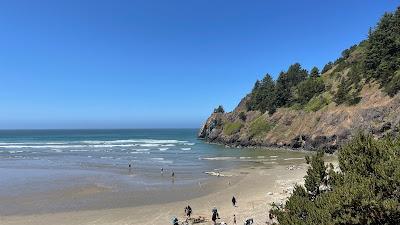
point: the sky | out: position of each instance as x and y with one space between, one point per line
159 64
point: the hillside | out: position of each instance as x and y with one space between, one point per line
301 109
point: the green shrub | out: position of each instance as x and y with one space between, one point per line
232 128
394 85
242 116
366 189
260 126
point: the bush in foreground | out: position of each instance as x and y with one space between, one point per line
364 190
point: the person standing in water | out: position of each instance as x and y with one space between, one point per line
234 201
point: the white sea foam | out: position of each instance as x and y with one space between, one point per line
66 146
293 158
14 152
158 159
163 149
168 145
219 158
142 150
149 145
186 149
144 141
274 156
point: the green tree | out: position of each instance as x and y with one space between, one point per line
286 83
383 52
307 89
314 72
263 95
219 109
366 189
327 67
341 95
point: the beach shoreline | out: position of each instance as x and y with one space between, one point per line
255 188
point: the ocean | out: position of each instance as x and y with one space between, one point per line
40 167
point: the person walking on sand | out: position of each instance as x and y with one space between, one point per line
189 211
234 201
215 215
234 219
173 174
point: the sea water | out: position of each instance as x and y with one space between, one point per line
62 170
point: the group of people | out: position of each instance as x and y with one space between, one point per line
215 215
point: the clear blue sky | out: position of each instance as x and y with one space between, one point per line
143 64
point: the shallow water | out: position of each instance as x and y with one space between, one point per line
62 170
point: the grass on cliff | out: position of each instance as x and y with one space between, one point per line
260 126
232 128
317 103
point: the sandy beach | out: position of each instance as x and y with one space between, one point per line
254 188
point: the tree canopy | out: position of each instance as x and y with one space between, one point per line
364 190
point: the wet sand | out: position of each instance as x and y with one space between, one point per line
255 188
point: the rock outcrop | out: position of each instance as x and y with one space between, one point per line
326 128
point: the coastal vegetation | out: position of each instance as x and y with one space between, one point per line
260 126
232 128
376 59
322 109
363 189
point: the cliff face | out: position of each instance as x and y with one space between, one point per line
301 109
327 128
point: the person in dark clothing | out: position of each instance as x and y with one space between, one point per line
189 211
215 215
249 222
214 218
234 201
234 219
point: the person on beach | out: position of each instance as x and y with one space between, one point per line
234 219
189 211
234 201
162 171
249 222
214 218
215 215
173 174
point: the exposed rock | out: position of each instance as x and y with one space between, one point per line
325 129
